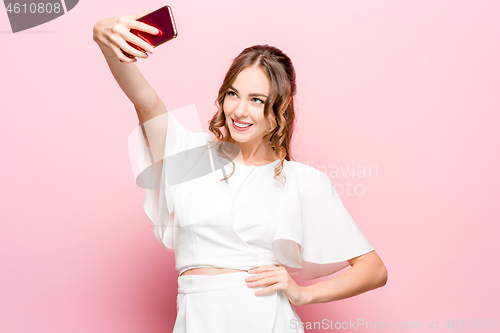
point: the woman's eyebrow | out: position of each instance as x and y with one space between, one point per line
254 94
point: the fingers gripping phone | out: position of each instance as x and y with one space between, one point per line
163 20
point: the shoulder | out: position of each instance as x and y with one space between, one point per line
207 138
304 170
306 175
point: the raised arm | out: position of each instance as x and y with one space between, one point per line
111 35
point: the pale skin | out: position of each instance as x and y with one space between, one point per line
244 102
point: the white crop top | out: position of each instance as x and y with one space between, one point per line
249 221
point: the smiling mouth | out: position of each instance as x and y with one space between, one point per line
243 125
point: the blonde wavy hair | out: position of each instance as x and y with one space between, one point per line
281 74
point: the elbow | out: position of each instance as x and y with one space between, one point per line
381 275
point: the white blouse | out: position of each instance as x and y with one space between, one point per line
248 221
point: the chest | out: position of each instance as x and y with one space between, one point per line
243 208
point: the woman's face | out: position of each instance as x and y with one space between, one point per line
244 102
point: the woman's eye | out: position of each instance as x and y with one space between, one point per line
255 99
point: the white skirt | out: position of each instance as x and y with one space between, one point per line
224 303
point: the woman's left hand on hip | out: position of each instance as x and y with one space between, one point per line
276 278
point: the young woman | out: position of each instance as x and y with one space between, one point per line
240 231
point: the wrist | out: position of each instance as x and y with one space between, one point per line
104 48
307 296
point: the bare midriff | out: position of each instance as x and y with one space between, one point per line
210 271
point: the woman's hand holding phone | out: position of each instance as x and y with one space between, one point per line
115 34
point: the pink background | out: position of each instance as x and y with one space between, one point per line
410 88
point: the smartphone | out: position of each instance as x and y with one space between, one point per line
163 20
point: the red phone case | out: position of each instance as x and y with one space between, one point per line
163 20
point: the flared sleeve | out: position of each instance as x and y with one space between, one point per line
315 235
149 171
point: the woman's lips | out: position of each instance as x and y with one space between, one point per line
241 129
241 122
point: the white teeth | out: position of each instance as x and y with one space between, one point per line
241 125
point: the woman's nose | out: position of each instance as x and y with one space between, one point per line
240 111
